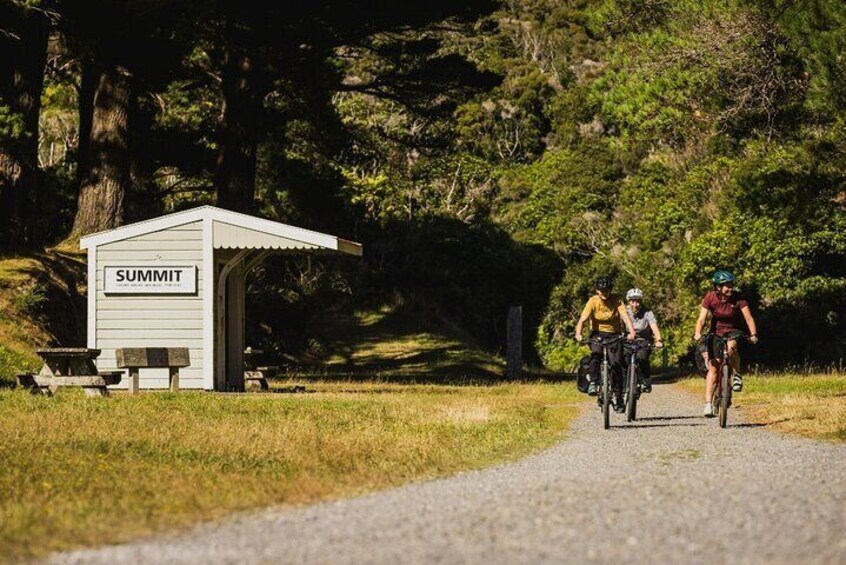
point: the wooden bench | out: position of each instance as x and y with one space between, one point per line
137 358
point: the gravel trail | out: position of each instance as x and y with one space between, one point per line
669 488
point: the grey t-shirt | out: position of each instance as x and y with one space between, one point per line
642 320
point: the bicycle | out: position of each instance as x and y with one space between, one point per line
604 398
716 348
632 380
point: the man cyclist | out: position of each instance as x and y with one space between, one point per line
728 313
645 327
607 314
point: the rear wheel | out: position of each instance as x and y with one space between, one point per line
606 397
725 396
631 397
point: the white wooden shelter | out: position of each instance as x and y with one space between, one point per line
179 281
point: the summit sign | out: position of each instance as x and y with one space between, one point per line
160 279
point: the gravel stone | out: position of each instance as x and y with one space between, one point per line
670 488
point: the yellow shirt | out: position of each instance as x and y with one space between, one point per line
605 315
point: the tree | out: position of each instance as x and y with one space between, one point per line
23 54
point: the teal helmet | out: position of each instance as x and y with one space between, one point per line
723 277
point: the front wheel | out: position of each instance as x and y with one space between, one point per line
725 396
631 399
606 397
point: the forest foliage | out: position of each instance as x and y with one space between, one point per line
486 155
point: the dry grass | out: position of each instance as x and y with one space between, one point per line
808 405
76 471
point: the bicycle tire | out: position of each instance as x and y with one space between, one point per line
631 399
606 397
725 396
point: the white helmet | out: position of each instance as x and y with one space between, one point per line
634 294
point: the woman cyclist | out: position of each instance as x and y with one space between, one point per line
607 314
728 313
645 327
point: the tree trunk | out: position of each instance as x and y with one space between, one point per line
107 179
87 89
243 98
22 60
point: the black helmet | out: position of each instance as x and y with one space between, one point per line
603 283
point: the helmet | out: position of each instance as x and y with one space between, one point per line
722 277
603 283
634 294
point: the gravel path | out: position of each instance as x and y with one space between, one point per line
671 487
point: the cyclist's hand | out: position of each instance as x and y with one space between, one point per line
753 339
697 336
579 338
631 336
659 344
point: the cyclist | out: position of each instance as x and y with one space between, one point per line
646 327
607 314
728 312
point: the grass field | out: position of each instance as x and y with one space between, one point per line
810 405
76 471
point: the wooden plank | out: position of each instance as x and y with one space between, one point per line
115 344
152 357
161 245
147 334
144 303
164 322
89 380
148 314
514 349
151 255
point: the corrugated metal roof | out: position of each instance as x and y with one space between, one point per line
232 230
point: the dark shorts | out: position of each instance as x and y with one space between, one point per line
734 335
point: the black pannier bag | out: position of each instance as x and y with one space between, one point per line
583 374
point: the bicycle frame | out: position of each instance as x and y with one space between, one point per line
631 391
605 390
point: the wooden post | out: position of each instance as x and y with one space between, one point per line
133 380
514 347
174 379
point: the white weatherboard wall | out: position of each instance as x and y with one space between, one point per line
152 320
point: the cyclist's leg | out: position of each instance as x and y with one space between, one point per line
595 361
710 377
615 359
643 366
733 352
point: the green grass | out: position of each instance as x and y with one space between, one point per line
76 471
808 405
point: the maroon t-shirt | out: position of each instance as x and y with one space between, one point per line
726 313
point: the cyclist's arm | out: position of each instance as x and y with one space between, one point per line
624 314
750 323
656 333
582 319
700 322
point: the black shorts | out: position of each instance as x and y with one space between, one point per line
735 335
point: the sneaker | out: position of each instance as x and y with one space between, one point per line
737 383
646 385
592 389
619 405
708 412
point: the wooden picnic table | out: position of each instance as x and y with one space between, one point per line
255 378
70 366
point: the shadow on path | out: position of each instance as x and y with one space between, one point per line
663 418
630 426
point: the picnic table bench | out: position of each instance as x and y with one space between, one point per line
69 366
137 358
